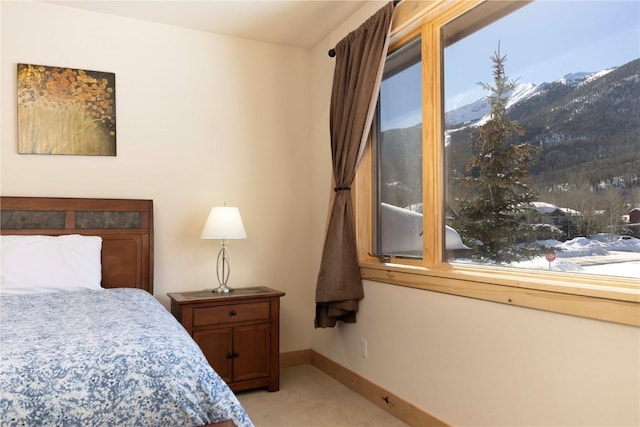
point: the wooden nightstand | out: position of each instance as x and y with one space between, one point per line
239 333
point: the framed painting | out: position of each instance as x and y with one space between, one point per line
66 111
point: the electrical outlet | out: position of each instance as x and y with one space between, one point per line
363 348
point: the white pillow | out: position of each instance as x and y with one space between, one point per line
33 264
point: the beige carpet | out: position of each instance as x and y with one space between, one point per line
310 398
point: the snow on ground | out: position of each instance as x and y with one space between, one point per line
623 269
600 254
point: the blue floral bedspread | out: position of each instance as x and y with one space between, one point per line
112 357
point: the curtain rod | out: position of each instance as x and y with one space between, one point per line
332 52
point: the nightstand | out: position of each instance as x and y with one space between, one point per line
239 333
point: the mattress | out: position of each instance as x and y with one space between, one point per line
110 357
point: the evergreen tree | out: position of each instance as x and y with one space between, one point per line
494 220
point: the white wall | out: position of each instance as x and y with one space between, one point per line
471 362
201 120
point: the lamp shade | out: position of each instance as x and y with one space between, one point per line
224 222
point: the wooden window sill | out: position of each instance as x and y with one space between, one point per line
572 294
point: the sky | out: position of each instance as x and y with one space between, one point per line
543 41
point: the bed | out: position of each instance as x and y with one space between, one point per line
84 342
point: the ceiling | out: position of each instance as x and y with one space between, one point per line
298 23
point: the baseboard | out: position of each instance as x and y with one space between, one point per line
294 358
391 403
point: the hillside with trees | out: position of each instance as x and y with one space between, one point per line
587 131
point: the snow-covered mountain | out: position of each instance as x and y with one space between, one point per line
467 114
478 111
585 126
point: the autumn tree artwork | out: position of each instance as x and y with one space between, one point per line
66 111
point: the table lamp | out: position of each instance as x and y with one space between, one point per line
223 223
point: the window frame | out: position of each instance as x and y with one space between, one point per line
612 299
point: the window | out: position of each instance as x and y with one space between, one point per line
573 94
561 95
398 150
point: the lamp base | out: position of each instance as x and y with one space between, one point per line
222 290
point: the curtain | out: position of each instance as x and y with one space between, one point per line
360 60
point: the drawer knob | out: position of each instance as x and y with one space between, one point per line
233 313
229 355
236 354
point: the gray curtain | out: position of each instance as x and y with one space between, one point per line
356 82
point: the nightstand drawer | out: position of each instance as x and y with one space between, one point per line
203 316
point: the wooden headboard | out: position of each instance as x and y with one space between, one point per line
125 225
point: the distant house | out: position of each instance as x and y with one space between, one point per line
563 219
546 213
634 216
